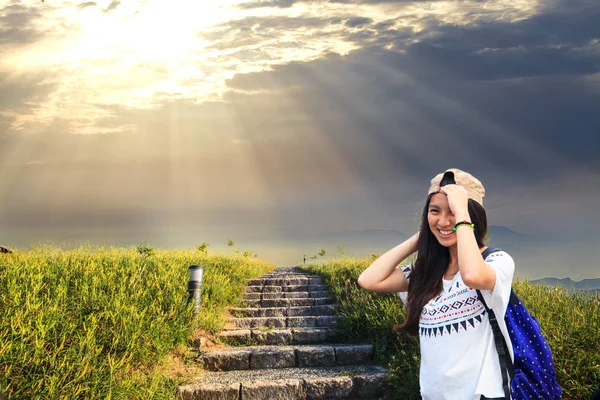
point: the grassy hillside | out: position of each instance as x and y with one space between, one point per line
96 323
100 323
570 322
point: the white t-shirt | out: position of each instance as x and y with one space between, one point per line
458 356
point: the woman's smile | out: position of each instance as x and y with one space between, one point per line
445 233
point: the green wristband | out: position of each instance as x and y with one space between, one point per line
468 223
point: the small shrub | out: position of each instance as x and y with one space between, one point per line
203 248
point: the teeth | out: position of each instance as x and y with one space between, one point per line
444 232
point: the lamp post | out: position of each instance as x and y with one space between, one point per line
195 286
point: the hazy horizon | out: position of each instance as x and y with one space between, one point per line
535 257
279 123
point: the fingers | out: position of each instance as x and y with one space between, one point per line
451 188
455 193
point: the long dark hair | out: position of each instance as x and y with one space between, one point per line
432 261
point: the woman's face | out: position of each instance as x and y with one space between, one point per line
441 220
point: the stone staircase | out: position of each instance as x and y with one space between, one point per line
285 348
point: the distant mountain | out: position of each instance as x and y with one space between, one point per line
499 231
585 284
507 239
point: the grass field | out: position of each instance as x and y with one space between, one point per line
99 323
106 323
570 323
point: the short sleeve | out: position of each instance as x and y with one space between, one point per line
504 266
407 269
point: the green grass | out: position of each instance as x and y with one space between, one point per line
98 323
570 323
105 323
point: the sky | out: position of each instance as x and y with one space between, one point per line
287 125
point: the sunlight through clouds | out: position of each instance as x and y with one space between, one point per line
141 54
293 116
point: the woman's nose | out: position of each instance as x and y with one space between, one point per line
445 220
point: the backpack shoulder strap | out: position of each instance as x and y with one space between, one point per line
506 366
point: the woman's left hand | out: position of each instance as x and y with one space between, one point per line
458 200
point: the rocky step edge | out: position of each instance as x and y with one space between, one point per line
284 288
274 357
283 336
286 295
314 321
298 311
283 302
347 382
287 280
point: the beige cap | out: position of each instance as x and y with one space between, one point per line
474 187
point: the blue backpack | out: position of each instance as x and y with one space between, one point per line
532 374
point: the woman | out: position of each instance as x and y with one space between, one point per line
458 356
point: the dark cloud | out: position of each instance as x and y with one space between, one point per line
86 5
358 21
112 6
20 90
16 25
508 63
290 3
407 104
460 83
379 1
545 44
268 3
542 45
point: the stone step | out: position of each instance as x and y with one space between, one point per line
291 280
278 272
270 357
290 322
283 311
349 382
287 288
285 295
283 302
279 336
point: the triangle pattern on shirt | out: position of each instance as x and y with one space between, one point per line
455 307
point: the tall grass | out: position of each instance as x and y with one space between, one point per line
85 323
570 322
